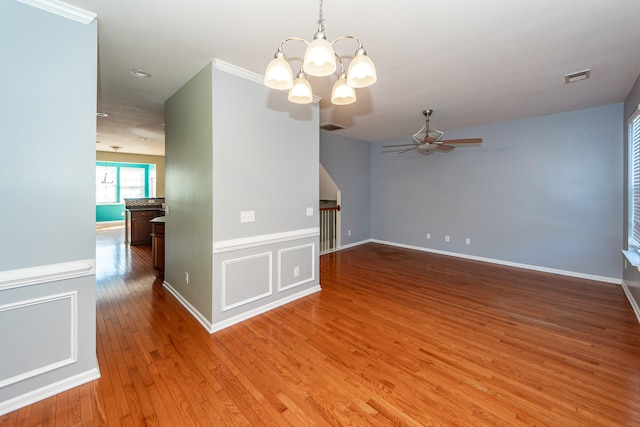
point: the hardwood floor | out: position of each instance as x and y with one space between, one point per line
396 337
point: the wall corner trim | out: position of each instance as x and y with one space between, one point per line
244 73
238 71
63 9
46 273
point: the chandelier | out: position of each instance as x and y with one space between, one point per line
320 60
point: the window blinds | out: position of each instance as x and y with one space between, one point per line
634 142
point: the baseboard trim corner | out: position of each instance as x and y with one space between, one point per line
190 308
218 326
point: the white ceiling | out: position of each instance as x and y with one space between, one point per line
473 62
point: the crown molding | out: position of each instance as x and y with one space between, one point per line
63 9
245 74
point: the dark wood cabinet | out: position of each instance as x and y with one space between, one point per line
140 227
157 245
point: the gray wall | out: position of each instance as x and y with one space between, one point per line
348 162
543 192
631 274
47 243
189 188
232 145
265 160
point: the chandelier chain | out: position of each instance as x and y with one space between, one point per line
320 19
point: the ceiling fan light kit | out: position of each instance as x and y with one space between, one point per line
429 139
320 60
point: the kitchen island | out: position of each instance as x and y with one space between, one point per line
138 213
157 244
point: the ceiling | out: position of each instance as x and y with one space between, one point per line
472 62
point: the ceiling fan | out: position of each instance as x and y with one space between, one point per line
428 139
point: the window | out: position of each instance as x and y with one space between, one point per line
132 183
634 179
106 187
118 181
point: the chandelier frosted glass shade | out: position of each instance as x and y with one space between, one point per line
342 93
279 74
300 92
319 58
361 72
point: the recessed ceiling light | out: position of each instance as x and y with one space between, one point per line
99 114
144 139
330 126
577 76
139 73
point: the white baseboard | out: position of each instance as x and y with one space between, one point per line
217 326
632 301
612 280
190 308
506 263
48 391
350 245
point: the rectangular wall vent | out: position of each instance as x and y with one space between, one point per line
575 77
330 126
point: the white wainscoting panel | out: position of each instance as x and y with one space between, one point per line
246 279
47 337
296 266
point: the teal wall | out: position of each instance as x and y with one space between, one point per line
115 211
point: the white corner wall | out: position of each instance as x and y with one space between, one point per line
47 248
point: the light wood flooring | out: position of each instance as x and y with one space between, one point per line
395 338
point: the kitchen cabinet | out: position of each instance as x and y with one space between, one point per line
157 244
140 227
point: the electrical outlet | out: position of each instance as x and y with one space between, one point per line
186 277
428 235
309 211
296 271
247 216
447 238
348 232
468 241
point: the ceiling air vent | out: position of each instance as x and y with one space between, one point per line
576 77
330 126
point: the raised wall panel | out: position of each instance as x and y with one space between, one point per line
246 279
37 336
297 259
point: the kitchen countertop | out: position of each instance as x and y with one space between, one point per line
145 208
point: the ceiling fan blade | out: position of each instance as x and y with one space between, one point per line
463 141
408 149
399 145
443 147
